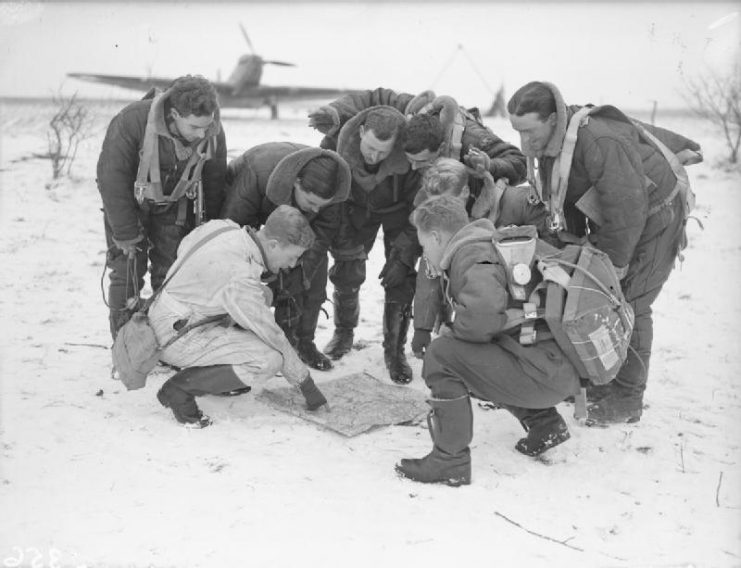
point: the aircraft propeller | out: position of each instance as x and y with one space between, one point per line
252 50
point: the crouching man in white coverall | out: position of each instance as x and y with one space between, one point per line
224 276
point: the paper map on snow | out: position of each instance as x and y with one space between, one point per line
358 403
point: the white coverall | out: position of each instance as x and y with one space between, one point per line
224 277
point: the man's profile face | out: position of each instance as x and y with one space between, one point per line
191 127
534 132
282 256
373 149
308 202
433 244
423 159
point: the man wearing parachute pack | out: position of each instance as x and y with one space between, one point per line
620 185
482 351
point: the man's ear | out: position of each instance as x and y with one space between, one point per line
553 118
271 244
361 130
465 192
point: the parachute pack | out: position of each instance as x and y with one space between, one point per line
576 291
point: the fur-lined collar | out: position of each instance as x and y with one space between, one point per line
555 144
348 147
280 184
481 230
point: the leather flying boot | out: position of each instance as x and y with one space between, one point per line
305 330
598 392
396 318
346 315
182 404
287 319
311 356
620 406
179 391
624 403
545 429
451 429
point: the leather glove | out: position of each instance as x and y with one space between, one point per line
420 342
325 119
312 394
129 246
477 160
393 274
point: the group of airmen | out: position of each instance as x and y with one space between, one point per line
250 241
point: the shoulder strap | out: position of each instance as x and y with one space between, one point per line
185 257
683 181
149 152
562 169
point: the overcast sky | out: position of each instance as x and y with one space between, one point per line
622 53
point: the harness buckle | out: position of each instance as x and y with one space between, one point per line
555 223
527 333
140 189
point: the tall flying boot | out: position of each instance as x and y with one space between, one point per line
346 316
287 316
451 428
624 402
545 429
396 318
305 346
179 391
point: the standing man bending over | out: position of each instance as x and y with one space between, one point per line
160 172
623 195
316 182
224 276
381 195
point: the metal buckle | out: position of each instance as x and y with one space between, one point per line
139 189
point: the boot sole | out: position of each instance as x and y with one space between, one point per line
450 482
203 422
547 445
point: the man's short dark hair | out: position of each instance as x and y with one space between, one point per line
193 94
534 97
319 176
385 122
423 132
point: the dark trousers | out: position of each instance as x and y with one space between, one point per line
537 376
650 268
298 298
348 275
162 236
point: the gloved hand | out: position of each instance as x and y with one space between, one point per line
478 160
129 246
312 394
394 273
420 342
325 119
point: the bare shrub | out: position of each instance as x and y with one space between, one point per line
70 125
716 96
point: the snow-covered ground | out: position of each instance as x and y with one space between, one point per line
92 475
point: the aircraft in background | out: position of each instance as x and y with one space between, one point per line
242 89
